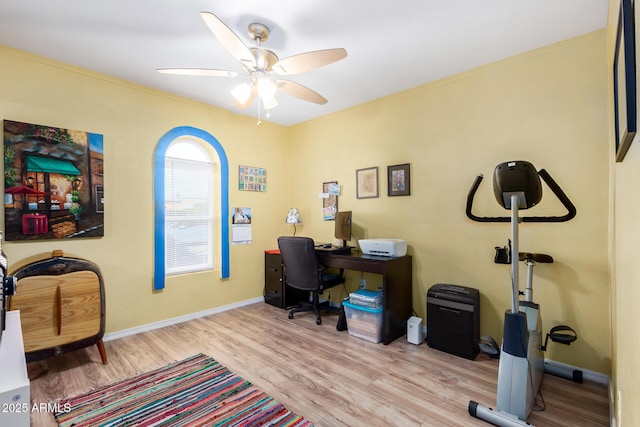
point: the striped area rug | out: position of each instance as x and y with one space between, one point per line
197 391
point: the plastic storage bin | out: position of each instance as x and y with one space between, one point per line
364 322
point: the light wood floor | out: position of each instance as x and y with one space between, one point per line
329 377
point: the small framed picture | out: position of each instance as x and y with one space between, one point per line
252 179
367 183
399 180
330 201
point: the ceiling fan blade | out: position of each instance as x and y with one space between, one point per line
300 91
229 40
308 61
197 72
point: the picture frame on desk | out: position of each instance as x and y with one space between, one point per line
624 81
399 180
367 183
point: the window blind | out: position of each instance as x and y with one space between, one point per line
188 215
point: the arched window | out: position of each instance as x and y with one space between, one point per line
184 187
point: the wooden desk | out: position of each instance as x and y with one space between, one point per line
396 286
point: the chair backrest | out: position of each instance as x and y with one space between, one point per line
301 266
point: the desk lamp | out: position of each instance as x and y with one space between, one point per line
293 217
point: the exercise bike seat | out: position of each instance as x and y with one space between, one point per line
543 258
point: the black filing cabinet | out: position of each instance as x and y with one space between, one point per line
276 292
453 319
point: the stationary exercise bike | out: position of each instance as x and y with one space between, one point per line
516 186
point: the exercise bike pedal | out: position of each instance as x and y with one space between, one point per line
559 334
489 346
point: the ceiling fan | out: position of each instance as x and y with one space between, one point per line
260 65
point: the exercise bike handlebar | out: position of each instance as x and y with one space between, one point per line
571 209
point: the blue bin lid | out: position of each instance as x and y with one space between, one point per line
362 308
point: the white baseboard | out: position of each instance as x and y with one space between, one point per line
596 377
612 408
175 320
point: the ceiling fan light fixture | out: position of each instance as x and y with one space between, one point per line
268 101
266 87
241 93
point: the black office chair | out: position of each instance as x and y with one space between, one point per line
303 271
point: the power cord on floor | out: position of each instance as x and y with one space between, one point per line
344 291
539 406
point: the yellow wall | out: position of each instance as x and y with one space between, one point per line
625 282
133 119
547 106
626 288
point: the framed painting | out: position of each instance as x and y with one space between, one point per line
624 81
53 182
367 183
399 180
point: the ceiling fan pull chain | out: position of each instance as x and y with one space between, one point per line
259 111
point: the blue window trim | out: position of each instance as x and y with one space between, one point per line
158 197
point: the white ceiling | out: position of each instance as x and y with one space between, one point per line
392 45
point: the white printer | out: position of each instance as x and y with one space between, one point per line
383 247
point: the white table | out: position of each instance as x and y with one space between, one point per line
15 404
